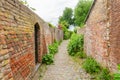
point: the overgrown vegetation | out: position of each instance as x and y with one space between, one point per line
53 48
49 57
75 44
91 66
117 75
67 34
67 16
81 11
104 75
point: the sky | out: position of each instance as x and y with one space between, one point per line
50 10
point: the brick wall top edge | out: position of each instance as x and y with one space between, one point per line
26 9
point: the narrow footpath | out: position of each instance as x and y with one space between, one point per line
64 68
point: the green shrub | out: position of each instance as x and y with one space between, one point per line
91 66
48 59
117 75
53 48
104 75
81 54
75 44
67 35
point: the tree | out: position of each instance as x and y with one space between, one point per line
67 16
81 11
65 23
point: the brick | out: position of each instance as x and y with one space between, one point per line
102 30
5 62
17 43
3 52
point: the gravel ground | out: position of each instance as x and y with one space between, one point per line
64 67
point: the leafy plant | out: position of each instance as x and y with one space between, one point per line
67 35
64 25
104 75
117 75
48 59
91 66
75 44
53 48
81 54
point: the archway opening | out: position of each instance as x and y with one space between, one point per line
37 41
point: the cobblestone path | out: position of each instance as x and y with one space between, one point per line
64 68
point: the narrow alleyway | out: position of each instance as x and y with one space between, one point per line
64 68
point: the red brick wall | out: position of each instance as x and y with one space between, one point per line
102 39
17 43
52 34
114 33
96 33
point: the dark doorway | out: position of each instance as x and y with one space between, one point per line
37 41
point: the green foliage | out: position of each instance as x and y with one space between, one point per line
104 75
81 11
50 25
65 24
24 2
81 54
48 59
117 75
67 16
91 66
67 35
75 44
53 48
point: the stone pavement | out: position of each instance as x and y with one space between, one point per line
64 68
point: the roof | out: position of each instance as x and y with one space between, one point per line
90 11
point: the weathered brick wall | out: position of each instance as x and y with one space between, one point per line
17 41
52 34
58 34
102 39
96 34
48 34
114 18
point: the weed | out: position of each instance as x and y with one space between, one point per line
91 66
48 59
